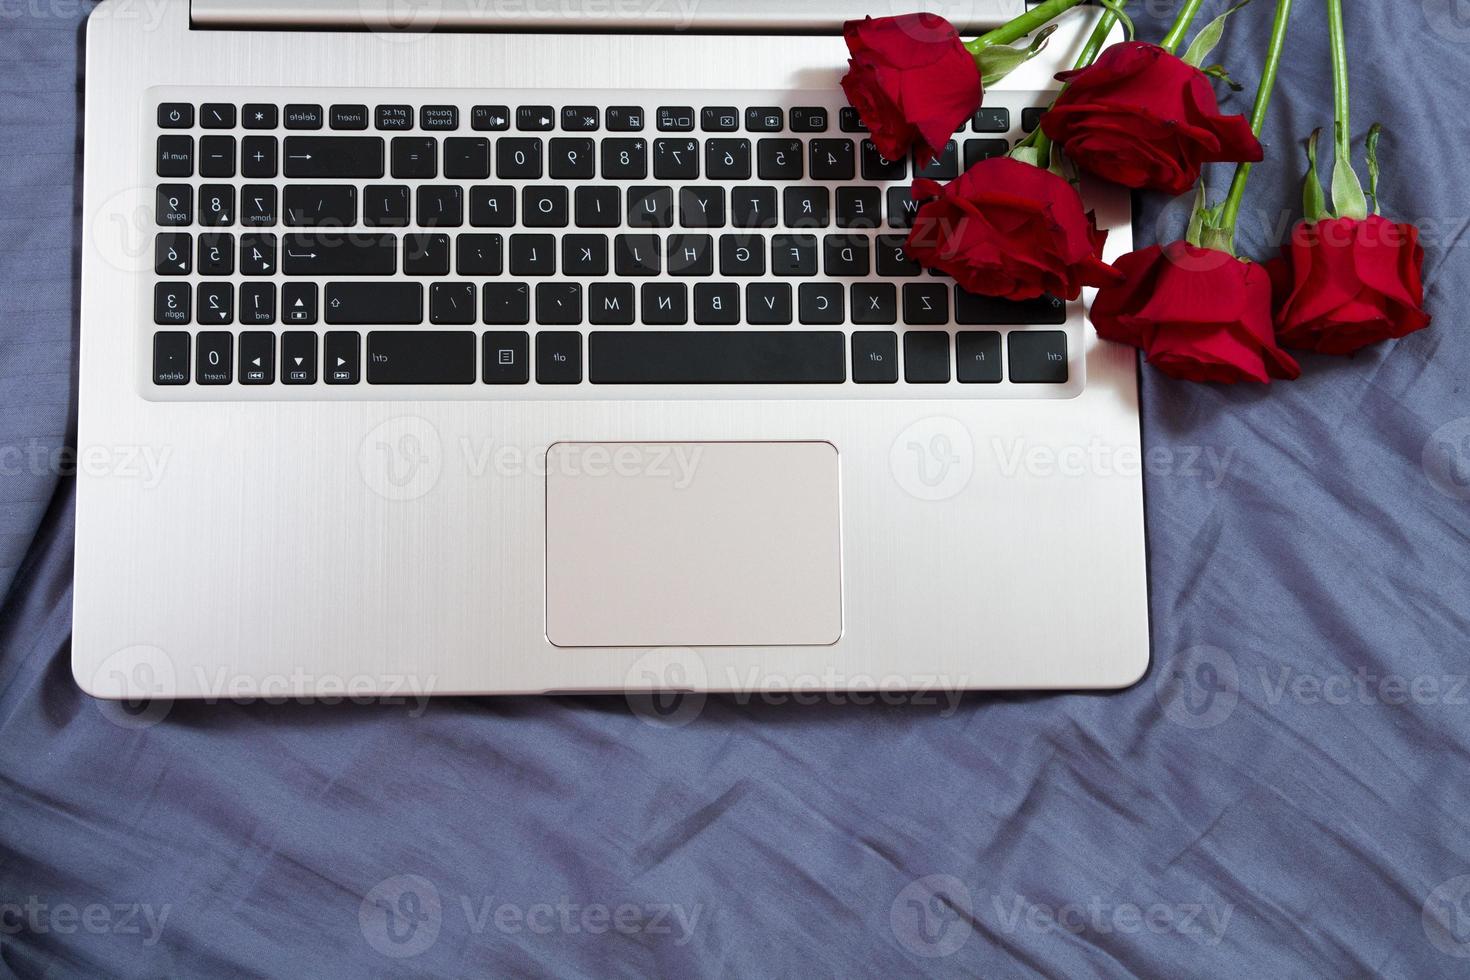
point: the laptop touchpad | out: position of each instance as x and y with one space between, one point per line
693 544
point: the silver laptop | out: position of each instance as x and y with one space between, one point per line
476 348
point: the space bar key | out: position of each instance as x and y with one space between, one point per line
651 357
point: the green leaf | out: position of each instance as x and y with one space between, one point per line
1209 36
1347 191
1219 73
1314 204
1027 154
996 61
1374 135
1198 216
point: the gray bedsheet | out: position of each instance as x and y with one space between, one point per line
1285 795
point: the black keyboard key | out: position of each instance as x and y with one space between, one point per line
534 118
764 119
490 118
926 357
215 303
175 115
944 166
439 117
742 255
257 357
926 304
902 208
768 303
175 156
624 118
778 159
675 118
1037 356
172 303
426 255
874 303
819 303
719 119
977 150
174 205
598 206
171 357
334 157
258 303
637 255
610 303
212 360
216 205
991 119
727 159
257 255
258 157
893 261
701 207
420 357
753 207
217 156
320 205
558 357
846 256
452 303
970 308
624 159
859 207
808 119
717 357
298 357
216 255
507 357
807 206
260 115
479 255
675 159
533 255
341 357
441 206
977 356
173 254
832 159
258 205
559 303
545 207
492 207
849 121
650 207
518 158
665 304
584 256
874 357
319 254
579 118
1031 118
414 158
717 304
395 117
691 255
349 117
385 206
217 115
466 158
298 302
877 167
304 117
506 303
794 255
352 303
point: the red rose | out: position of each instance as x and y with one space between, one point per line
1140 117
1197 313
911 80
1343 284
1005 228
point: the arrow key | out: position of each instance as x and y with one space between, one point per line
298 357
340 354
257 357
298 302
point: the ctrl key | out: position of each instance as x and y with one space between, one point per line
171 357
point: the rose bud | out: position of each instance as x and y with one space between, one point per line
912 81
1005 228
1343 284
1143 118
1196 313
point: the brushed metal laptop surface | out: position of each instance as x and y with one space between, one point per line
298 547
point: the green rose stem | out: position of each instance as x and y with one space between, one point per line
1016 29
1175 37
1347 190
1224 228
1038 140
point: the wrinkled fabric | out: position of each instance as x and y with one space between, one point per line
1300 537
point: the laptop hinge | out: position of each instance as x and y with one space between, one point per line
572 16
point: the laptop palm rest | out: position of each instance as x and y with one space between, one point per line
693 544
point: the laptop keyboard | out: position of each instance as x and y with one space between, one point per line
566 244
